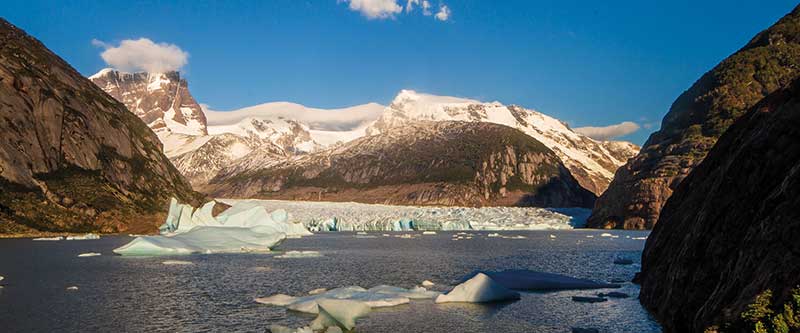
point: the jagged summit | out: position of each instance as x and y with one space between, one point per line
161 100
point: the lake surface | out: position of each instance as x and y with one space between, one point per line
216 293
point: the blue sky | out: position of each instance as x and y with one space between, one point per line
590 63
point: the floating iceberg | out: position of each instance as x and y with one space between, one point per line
56 238
72 288
177 263
526 280
376 297
204 240
479 289
83 237
588 299
244 227
427 284
284 329
299 254
333 216
88 254
339 313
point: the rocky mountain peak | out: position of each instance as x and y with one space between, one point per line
161 100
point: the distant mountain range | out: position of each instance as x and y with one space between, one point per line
204 143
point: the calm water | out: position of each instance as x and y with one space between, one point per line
216 293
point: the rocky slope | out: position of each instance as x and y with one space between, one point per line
421 163
71 157
730 230
591 162
696 119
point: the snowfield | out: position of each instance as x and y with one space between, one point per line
348 216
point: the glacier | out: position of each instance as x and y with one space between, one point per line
244 227
349 216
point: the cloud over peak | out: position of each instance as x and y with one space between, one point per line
385 9
609 132
135 55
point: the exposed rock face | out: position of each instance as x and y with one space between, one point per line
591 162
730 231
161 100
421 163
695 121
71 157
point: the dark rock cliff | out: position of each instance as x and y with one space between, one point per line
730 231
71 157
694 123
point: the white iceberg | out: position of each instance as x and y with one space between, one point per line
204 240
525 280
88 254
56 238
177 263
427 284
83 237
244 227
339 313
479 289
299 254
317 291
376 297
284 329
72 288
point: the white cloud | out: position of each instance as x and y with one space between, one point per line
426 8
385 9
443 14
375 9
609 132
134 55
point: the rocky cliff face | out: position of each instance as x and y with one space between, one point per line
420 163
696 119
71 157
730 230
591 162
161 100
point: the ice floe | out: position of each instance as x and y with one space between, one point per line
71 288
339 313
527 280
427 284
244 227
333 216
299 254
376 297
89 254
479 289
83 237
177 263
56 238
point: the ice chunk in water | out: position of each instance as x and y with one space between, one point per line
299 254
177 263
317 291
479 289
83 237
519 279
72 288
376 297
284 329
340 313
204 240
88 254
427 284
57 238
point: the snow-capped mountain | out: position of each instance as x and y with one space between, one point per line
200 142
161 100
592 162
